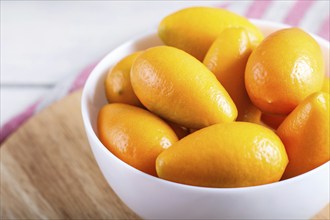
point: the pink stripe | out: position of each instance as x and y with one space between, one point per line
257 9
297 12
82 77
17 121
324 30
223 5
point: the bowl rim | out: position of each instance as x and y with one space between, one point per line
97 71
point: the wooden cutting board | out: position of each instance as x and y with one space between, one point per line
48 171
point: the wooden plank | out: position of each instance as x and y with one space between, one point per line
324 214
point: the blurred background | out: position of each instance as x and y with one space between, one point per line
45 45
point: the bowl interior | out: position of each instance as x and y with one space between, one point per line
93 97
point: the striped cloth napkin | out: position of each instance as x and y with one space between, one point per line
310 15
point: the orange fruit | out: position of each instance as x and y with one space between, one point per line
272 121
283 70
118 86
234 154
227 58
134 135
179 88
326 85
305 134
194 29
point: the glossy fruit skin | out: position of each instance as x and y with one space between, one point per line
227 58
305 134
283 70
176 86
134 135
194 29
326 85
234 154
118 88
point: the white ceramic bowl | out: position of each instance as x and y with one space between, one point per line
153 198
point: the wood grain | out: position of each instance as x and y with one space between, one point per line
324 214
48 171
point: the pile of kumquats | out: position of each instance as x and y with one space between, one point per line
219 104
